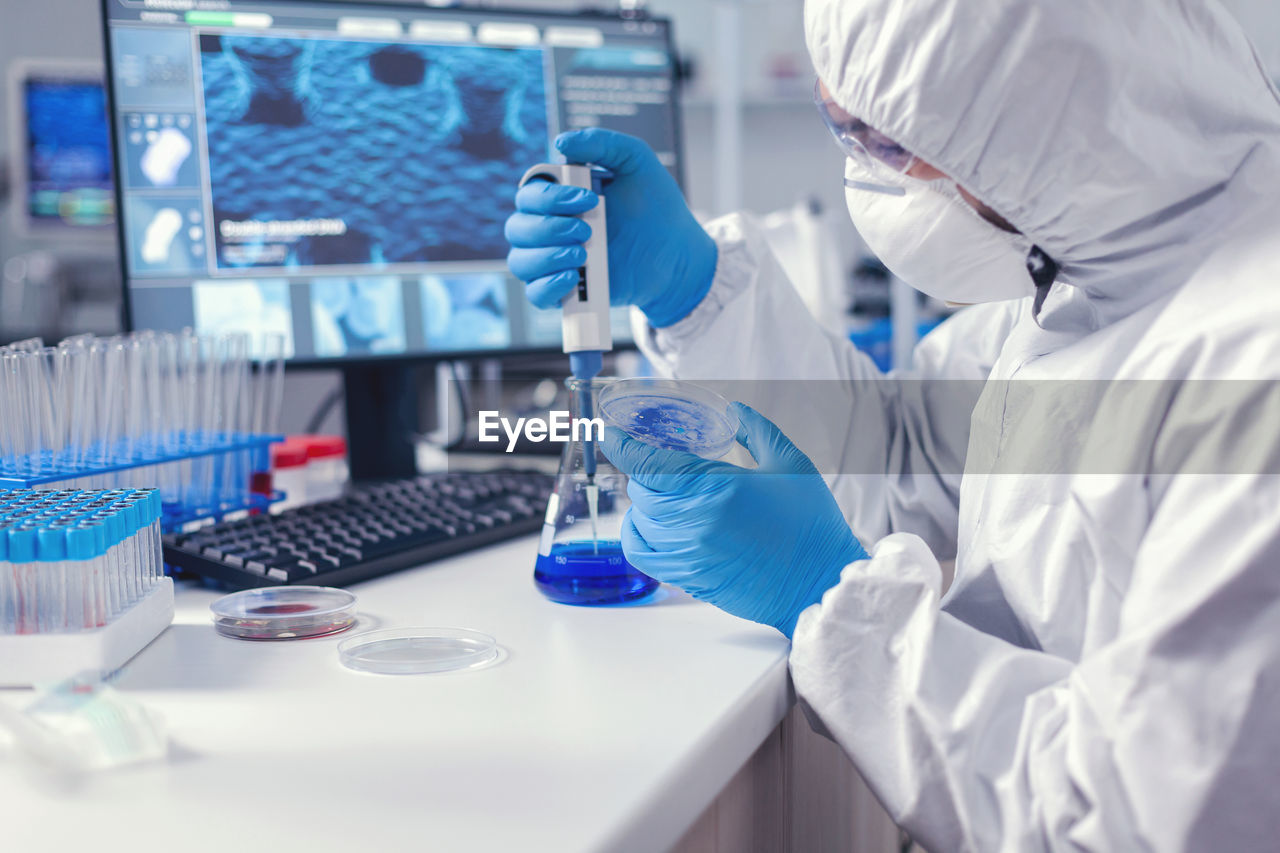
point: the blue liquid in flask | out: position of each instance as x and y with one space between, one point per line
587 572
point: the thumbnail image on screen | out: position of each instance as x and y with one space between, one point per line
166 234
357 315
159 150
465 311
325 152
68 153
258 307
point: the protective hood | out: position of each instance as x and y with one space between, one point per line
1123 138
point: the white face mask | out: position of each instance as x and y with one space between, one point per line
931 238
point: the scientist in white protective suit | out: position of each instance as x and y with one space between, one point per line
1104 672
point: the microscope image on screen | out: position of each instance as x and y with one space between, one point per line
325 152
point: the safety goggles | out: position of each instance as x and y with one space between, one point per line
870 149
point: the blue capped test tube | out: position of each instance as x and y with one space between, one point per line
73 560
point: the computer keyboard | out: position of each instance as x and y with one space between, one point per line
374 530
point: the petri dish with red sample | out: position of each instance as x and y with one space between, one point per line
284 613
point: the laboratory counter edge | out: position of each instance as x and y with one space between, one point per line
599 729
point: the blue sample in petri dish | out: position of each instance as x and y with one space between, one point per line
671 414
590 572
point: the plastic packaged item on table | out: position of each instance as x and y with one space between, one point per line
284 613
82 724
580 559
671 414
417 651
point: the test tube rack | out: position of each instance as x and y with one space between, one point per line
82 585
185 412
205 478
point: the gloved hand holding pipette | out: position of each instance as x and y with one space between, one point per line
660 259
762 543
585 322
638 245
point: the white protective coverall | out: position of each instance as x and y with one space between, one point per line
1104 672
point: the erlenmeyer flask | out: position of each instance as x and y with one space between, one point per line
581 561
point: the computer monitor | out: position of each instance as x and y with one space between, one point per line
340 172
61 156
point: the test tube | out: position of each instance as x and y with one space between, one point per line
112 401
133 400
269 392
13 364
50 412
200 405
209 405
65 407
168 408
95 575
74 355
151 563
117 528
170 394
154 346
22 556
6 574
54 592
8 587
9 404
82 598
187 366
133 548
97 401
40 427
235 418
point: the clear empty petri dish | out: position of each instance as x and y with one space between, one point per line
672 414
414 651
284 612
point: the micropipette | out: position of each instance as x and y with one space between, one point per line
585 324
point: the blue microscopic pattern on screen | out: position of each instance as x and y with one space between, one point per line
415 148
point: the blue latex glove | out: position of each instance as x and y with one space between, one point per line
660 259
761 543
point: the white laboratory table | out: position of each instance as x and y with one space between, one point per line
604 729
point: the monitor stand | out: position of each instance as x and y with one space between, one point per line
382 409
